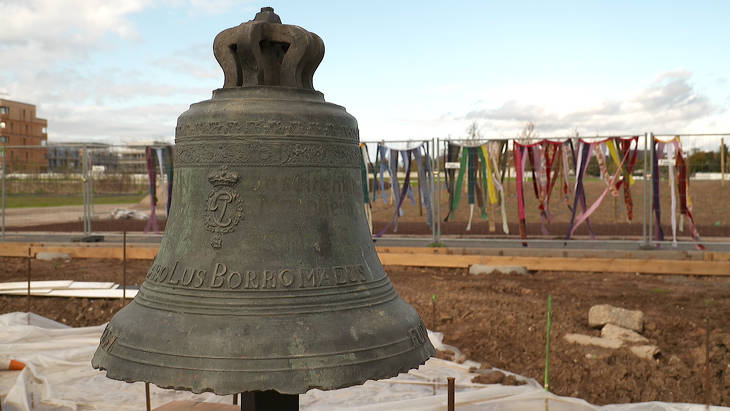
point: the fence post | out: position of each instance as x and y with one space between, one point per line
85 187
651 155
722 161
3 194
644 238
437 221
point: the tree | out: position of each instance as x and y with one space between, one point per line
473 132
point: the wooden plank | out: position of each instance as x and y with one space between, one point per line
134 252
11 249
33 291
716 256
23 285
115 293
551 252
68 292
644 266
713 263
90 285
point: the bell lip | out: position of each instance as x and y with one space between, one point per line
426 351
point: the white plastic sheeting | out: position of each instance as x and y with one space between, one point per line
58 376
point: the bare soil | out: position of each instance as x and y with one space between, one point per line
500 320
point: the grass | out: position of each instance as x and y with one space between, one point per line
54 200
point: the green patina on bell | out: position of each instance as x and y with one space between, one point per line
266 278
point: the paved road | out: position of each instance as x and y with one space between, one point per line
25 216
401 241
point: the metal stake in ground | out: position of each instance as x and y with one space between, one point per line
28 309
450 395
708 387
433 312
124 268
547 339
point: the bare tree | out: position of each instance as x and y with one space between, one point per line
528 133
473 132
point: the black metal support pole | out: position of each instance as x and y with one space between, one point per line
147 396
269 400
235 399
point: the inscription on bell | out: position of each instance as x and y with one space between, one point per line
107 340
224 207
221 276
418 334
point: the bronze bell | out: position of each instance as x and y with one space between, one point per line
266 278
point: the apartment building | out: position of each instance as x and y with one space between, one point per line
20 128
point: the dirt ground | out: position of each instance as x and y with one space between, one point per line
500 320
709 201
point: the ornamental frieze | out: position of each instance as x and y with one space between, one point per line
267 154
267 128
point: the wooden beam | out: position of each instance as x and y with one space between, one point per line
711 263
623 265
134 252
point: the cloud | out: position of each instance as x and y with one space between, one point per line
669 103
43 31
115 124
196 60
55 50
113 105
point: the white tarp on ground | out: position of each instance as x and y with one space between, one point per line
58 376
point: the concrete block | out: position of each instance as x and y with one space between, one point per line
477 269
647 352
589 340
50 256
624 334
600 315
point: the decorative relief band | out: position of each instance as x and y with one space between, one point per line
267 154
267 128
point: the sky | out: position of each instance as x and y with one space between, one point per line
123 71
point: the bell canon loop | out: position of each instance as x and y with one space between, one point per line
267 277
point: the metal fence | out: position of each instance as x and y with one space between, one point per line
79 187
73 188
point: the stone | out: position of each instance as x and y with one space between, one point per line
477 269
491 377
678 366
583 339
647 352
50 256
624 334
600 315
